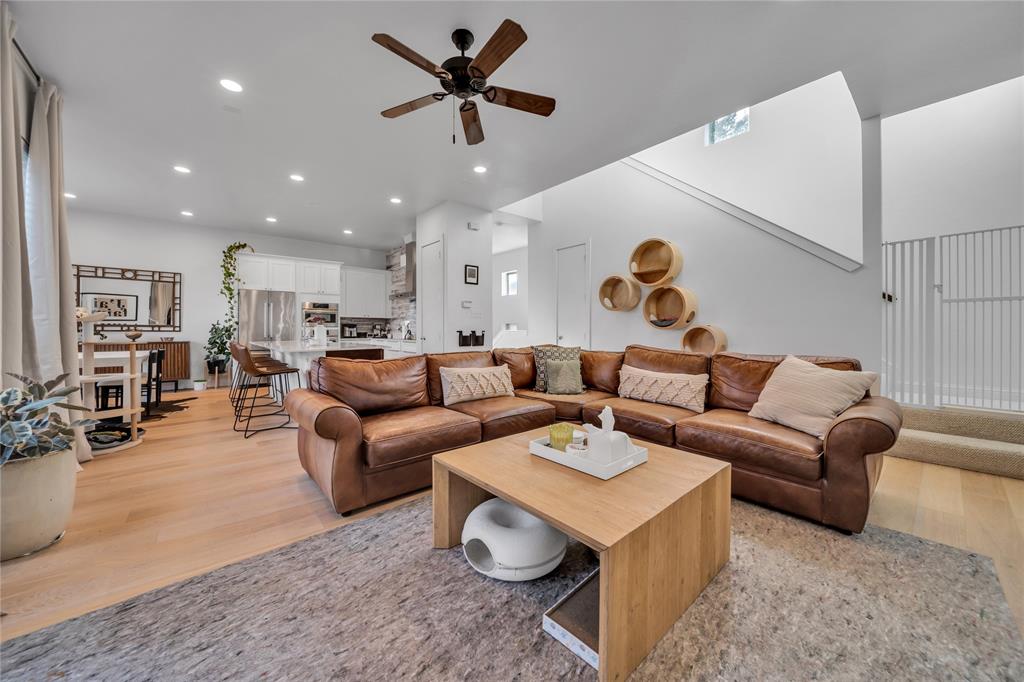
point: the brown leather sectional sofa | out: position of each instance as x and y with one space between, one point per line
368 428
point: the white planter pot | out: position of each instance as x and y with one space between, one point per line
36 497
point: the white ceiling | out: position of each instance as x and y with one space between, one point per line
141 94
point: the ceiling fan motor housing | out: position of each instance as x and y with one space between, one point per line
461 85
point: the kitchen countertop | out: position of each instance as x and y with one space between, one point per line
304 347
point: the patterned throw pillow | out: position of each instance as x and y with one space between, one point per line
462 384
565 377
805 397
681 390
541 355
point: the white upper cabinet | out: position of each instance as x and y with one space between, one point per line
365 293
309 278
319 278
280 274
252 272
330 279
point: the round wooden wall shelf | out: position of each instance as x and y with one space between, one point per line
619 293
670 307
655 262
705 338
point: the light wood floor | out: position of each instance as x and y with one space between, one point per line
195 496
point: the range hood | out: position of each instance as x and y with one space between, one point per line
410 268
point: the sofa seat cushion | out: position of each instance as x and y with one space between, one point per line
505 415
650 421
567 407
760 445
405 436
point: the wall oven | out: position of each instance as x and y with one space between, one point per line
320 313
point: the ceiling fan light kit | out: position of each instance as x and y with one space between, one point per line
466 77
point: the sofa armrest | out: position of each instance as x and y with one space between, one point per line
852 463
330 446
322 414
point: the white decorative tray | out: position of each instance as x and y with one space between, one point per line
637 456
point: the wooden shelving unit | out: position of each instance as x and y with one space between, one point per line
670 307
618 293
704 338
131 406
655 262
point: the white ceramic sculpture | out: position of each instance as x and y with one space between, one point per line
505 542
605 444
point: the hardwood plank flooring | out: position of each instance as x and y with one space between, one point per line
196 496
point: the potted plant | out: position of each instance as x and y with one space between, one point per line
217 347
37 465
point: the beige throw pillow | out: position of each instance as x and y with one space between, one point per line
541 355
462 384
680 390
564 377
805 397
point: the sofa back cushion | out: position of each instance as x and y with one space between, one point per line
738 379
601 369
520 363
435 361
663 360
370 386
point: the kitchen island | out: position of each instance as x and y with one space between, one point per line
299 354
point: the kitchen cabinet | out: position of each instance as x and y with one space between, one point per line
319 278
364 293
260 272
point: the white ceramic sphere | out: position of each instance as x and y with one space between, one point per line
505 542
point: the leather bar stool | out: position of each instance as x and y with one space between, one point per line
260 359
253 376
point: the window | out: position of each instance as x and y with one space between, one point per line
510 283
723 128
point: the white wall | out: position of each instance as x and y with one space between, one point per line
956 165
768 296
510 309
195 252
463 246
798 166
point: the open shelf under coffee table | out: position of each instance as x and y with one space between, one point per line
661 530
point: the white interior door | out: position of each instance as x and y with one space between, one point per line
431 319
572 323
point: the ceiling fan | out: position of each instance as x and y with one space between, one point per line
466 77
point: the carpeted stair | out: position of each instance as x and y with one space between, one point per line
988 442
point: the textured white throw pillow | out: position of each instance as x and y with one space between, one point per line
462 384
680 390
805 397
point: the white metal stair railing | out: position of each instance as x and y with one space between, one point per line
953 320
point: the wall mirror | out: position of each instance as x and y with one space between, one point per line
148 300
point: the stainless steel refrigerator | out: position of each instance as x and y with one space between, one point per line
266 316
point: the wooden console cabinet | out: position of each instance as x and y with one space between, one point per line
176 365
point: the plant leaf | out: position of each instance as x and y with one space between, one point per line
56 381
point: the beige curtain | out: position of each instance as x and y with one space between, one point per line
16 328
49 257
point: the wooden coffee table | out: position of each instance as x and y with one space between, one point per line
661 529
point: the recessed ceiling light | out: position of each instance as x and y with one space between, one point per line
230 85
184 170
69 195
296 177
347 231
187 214
479 169
271 219
395 200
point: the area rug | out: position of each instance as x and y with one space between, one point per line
373 601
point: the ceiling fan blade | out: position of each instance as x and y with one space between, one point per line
413 105
516 99
471 123
498 48
410 55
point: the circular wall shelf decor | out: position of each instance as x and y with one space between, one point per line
670 307
655 262
705 338
619 293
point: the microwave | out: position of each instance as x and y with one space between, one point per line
320 313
